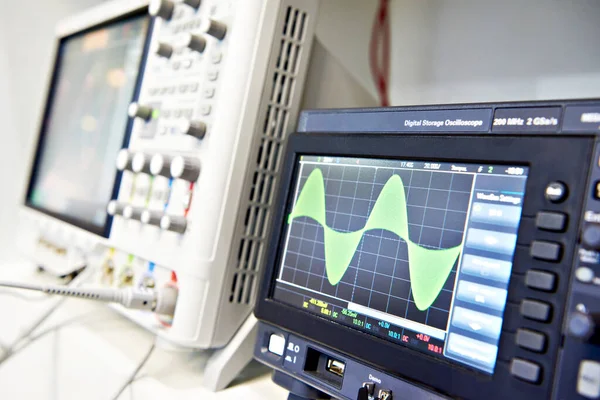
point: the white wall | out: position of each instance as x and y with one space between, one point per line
489 50
26 43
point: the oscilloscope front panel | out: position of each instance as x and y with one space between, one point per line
220 92
454 247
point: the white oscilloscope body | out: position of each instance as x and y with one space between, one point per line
253 104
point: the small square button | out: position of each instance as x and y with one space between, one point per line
216 57
551 221
547 251
277 344
536 310
526 370
209 93
540 280
531 340
588 379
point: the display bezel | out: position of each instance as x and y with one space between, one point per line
538 153
103 231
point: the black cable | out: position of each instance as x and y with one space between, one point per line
136 371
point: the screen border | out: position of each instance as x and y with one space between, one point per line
103 231
536 152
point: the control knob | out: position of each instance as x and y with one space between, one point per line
163 49
124 160
195 4
130 212
591 237
161 9
193 42
173 223
584 326
136 110
216 29
161 165
141 163
196 129
151 217
185 168
115 208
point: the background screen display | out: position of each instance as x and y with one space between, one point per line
86 122
418 253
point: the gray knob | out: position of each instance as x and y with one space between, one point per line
161 165
124 160
136 110
584 326
196 129
141 163
194 42
216 29
185 168
173 223
195 4
115 208
163 50
151 217
161 9
130 212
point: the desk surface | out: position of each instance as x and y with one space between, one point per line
94 355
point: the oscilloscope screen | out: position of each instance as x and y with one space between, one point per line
415 252
86 122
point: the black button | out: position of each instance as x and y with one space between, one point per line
548 251
526 370
556 192
531 340
536 310
551 221
540 280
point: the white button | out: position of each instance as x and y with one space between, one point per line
277 344
584 274
205 109
588 380
187 64
216 57
213 75
209 93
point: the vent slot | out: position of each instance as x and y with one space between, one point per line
269 148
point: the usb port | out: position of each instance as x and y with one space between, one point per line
324 367
336 367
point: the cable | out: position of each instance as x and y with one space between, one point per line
12 293
160 301
379 51
133 376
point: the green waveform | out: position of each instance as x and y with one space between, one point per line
429 268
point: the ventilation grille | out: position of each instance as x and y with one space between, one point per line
272 138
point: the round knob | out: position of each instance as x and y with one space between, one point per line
194 42
185 168
583 326
556 192
195 4
161 9
160 165
216 29
115 208
141 163
196 129
591 237
151 217
136 110
173 223
163 50
124 160
130 212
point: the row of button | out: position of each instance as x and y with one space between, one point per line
159 219
527 370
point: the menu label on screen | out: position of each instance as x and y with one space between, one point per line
530 119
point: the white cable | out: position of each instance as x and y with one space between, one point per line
161 301
133 376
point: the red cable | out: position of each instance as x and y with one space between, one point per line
379 51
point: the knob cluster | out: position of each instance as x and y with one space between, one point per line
159 219
177 167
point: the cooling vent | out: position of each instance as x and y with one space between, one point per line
272 138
